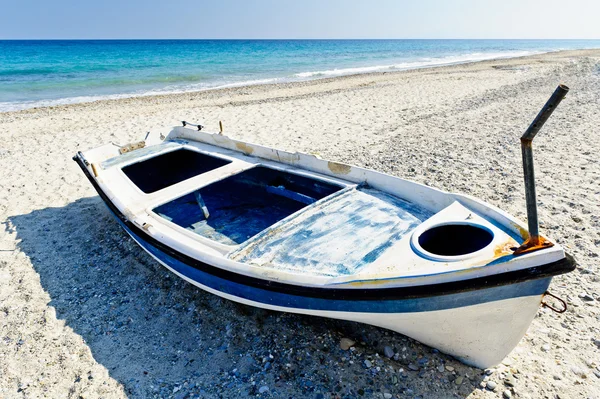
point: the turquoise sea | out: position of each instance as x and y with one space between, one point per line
38 73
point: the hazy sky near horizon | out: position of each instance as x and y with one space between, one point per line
290 19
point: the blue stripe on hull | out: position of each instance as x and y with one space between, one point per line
440 302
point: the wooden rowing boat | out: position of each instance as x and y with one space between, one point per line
296 233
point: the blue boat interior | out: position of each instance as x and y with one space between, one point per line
170 168
238 207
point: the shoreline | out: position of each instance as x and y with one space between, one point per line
241 85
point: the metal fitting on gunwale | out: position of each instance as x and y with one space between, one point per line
535 241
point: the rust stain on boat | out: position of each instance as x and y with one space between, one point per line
533 244
132 147
245 148
504 248
522 231
339 168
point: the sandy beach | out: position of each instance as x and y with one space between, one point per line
85 313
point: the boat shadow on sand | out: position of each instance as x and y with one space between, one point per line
159 335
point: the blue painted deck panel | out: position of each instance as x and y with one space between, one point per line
338 237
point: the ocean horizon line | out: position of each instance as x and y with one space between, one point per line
291 39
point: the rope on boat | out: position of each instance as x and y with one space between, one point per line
562 302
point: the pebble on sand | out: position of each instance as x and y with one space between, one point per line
507 394
346 343
491 385
263 389
388 352
586 297
545 347
578 372
510 380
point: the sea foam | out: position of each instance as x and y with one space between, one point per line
422 63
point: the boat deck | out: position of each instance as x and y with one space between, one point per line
336 237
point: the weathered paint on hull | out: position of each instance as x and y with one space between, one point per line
478 327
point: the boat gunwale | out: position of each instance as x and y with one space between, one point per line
564 265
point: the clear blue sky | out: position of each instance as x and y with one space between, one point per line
281 19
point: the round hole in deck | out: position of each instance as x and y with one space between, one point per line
455 239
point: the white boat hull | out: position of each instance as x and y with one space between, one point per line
480 335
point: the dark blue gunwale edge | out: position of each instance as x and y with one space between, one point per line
381 305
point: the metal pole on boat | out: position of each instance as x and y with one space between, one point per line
534 241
